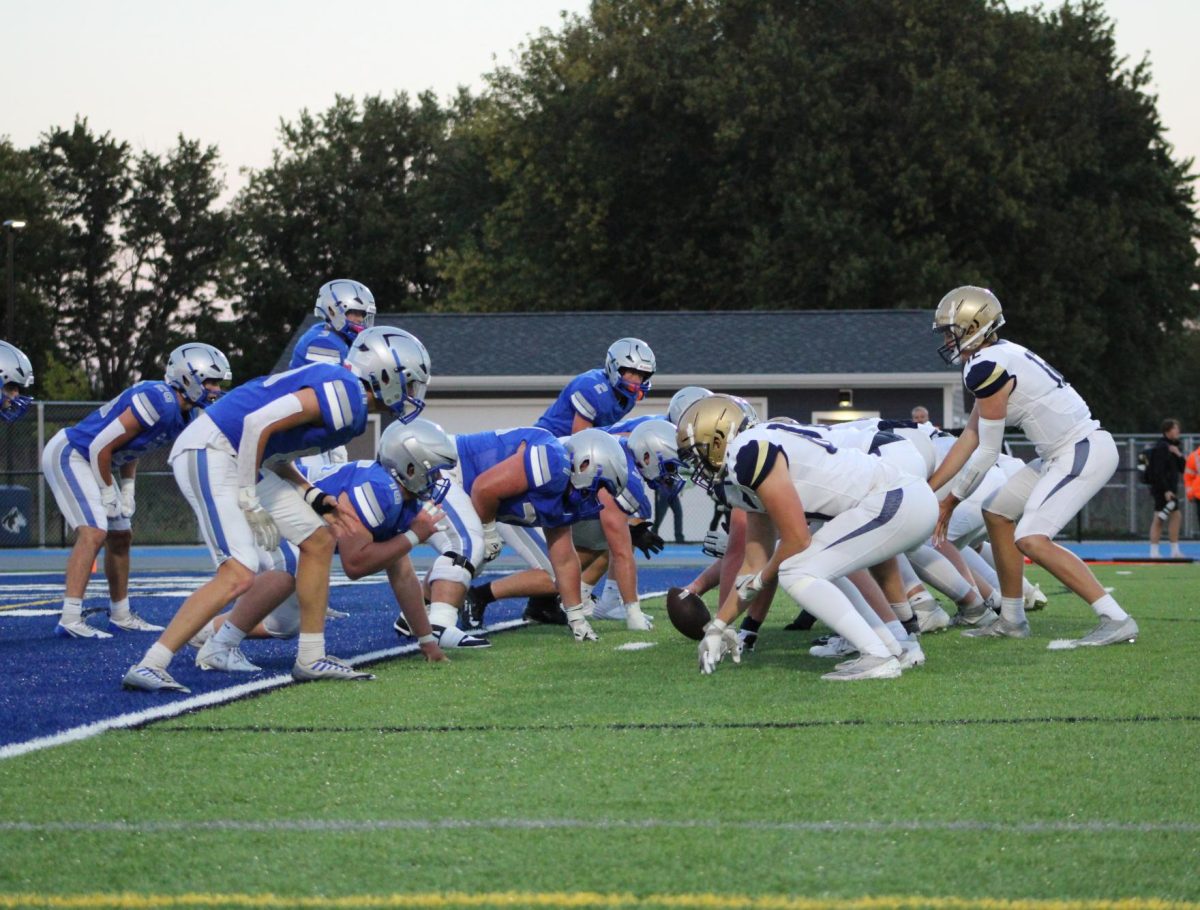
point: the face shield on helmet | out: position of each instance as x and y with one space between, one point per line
705 431
193 364
657 455
416 454
347 306
683 399
16 374
395 365
965 318
597 460
629 354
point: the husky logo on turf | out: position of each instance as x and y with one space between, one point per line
14 521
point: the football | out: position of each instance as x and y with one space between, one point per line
688 613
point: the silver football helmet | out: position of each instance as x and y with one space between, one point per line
656 453
747 409
597 460
396 366
341 296
16 373
415 454
629 354
966 317
191 365
683 399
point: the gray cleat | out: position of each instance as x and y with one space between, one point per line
1001 628
982 615
216 655
327 667
151 679
1110 632
866 667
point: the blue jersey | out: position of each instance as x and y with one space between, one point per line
156 408
340 393
591 397
320 344
628 426
635 498
373 492
547 471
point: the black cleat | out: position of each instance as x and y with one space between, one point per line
801 623
401 627
545 608
912 625
473 608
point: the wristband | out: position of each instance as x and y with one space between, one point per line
411 536
429 639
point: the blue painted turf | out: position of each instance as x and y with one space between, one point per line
50 684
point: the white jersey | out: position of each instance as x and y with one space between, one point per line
829 480
1048 411
1005 467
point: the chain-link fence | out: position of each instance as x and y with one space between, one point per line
29 515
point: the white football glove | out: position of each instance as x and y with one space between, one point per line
580 627
636 620
719 640
128 502
715 543
493 543
748 587
266 534
110 498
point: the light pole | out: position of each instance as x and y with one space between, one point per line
9 227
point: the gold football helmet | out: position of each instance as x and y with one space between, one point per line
967 317
705 430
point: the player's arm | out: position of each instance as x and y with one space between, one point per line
759 539
407 589
615 525
966 443
501 481
564 559
361 554
293 410
115 434
580 423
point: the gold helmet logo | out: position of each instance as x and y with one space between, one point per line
966 317
705 430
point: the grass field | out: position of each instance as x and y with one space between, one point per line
544 773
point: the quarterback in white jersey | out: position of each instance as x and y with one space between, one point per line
1013 385
784 477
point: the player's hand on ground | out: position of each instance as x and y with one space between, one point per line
636 620
433 653
719 640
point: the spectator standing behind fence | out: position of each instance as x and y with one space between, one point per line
664 503
1163 470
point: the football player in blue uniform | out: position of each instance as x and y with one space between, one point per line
388 499
511 484
243 510
347 308
600 398
16 375
1076 457
90 468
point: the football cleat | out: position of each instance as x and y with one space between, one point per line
933 619
912 655
206 632
401 627
912 625
327 667
216 655
1110 632
866 667
79 629
981 615
151 679
545 608
454 637
835 646
748 640
331 613
471 614
131 622
1000 628
802 623
1034 598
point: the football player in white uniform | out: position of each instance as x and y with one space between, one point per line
1012 384
784 478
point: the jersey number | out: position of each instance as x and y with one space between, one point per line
1046 368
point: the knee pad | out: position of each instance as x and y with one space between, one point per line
284 620
455 567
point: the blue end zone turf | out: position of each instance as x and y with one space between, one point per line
56 690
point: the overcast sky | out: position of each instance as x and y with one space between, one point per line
226 71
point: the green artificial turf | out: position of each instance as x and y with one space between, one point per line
977 776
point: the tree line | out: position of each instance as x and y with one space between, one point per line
659 155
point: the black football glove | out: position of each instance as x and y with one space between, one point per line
646 540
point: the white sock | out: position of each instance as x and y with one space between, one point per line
1176 553
312 647
972 600
898 631
442 614
1108 608
1012 609
119 609
158 656
903 611
922 603
72 610
979 567
586 590
229 635
859 625
1154 551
